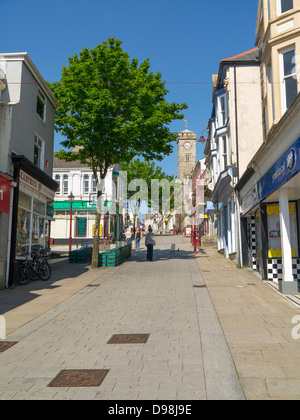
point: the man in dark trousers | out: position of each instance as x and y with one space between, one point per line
150 242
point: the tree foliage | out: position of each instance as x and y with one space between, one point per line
113 108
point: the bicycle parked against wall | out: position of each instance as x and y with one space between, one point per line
34 267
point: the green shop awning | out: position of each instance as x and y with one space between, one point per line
77 205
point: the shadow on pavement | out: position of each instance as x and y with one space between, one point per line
165 254
19 295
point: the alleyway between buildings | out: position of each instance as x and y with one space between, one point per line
198 329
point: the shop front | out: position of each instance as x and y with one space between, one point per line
32 211
270 212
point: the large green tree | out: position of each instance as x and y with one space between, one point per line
112 109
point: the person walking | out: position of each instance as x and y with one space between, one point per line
137 238
150 242
128 236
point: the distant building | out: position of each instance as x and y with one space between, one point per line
78 178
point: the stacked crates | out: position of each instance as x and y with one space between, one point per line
81 255
111 258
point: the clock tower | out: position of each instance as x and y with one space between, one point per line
186 142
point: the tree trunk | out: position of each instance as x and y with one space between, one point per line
95 254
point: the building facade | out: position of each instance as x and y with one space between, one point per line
235 133
27 113
78 179
269 189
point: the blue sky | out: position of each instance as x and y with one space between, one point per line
184 40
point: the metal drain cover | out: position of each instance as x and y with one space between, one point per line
5 345
128 339
79 378
199 285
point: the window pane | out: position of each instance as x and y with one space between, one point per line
23 233
290 90
38 207
24 200
286 5
289 63
36 157
65 184
57 179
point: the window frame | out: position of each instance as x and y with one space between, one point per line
279 8
41 97
39 145
284 77
222 114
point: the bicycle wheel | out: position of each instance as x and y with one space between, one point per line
23 275
45 271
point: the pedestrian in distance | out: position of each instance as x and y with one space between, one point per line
137 238
128 235
150 243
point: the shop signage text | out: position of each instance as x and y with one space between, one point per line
284 169
36 185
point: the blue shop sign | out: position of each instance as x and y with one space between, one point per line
283 170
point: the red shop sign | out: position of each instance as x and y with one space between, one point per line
4 194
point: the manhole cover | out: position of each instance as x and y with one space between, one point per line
79 378
128 339
5 345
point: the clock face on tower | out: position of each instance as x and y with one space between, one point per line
187 145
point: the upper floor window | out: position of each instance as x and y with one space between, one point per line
94 185
284 6
41 105
38 156
57 179
222 110
65 185
288 78
86 184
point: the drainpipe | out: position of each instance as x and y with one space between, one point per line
236 195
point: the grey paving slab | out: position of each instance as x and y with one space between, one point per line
185 357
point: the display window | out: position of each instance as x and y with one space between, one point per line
32 225
274 234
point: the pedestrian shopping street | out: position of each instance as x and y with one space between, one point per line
191 329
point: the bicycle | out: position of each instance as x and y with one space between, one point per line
34 268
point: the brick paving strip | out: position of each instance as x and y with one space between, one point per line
257 323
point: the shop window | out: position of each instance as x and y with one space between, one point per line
23 232
39 207
273 212
38 232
